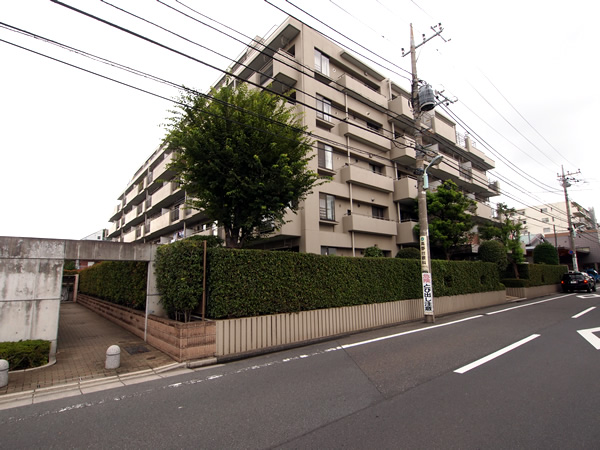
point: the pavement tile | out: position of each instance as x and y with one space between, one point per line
83 338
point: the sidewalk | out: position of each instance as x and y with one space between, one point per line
83 338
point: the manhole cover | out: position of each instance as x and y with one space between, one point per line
136 349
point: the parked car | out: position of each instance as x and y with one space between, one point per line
592 273
577 281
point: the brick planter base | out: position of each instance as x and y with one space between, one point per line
181 341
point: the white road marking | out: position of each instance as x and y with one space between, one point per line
390 336
500 352
577 316
523 306
589 336
588 295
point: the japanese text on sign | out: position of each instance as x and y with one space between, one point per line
427 294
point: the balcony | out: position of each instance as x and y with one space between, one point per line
368 224
405 190
129 237
112 229
362 134
160 172
284 69
405 233
484 211
447 168
403 151
162 194
362 92
160 222
367 178
400 107
484 161
444 128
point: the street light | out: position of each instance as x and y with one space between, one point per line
436 160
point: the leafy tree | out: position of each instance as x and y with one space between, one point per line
373 252
494 251
545 253
242 157
508 232
450 216
409 253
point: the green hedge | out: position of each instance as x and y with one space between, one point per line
119 282
25 354
464 277
537 274
515 282
244 283
179 275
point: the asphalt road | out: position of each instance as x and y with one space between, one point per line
516 376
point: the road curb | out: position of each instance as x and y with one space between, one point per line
39 395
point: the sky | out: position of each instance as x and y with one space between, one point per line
522 73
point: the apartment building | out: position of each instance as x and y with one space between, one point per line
552 218
363 129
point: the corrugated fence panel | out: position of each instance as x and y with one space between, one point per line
255 333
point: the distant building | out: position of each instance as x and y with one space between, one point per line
552 218
363 129
100 235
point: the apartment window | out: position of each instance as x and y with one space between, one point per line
547 230
321 63
323 108
374 126
377 212
325 156
326 207
544 210
545 220
376 169
327 251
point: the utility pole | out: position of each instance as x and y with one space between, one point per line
429 316
565 182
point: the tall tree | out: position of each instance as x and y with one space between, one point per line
242 157
507 231
450 215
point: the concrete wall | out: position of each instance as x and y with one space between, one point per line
30 288
31 277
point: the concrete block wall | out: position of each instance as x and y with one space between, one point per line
30 289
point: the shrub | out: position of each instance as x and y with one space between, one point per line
464 277
179 274
119 282
245 283
373 252
25 354
409 253
545 253
495 252
515 282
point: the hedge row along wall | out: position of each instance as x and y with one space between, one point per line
246 283
536 275
119 282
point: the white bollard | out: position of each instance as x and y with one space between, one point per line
3 373
113 357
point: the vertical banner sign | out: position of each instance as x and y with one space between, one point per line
427 294
424 256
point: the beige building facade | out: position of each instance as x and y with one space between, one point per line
552 218
362 126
